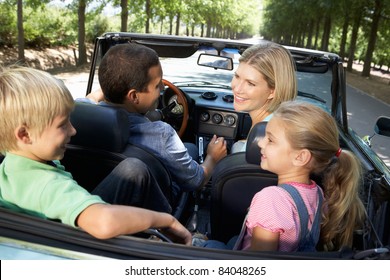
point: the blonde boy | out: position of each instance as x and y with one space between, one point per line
34 129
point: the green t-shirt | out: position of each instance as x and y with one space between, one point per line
42 190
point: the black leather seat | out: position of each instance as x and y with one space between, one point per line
235 181
101 143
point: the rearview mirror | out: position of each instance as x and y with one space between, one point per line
215 61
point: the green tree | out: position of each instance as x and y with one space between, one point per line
124 14
345 6
7 26
331 25
379 6
357 9
21 43
82 5
20 31
358 26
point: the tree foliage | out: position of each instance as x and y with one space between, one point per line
355 29
8 31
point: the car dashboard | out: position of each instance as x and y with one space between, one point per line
212 112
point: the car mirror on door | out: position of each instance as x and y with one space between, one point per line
382 126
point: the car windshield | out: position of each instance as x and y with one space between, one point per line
186 72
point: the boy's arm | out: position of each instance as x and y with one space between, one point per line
96 96
216 150
106 221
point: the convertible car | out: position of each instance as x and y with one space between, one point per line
197 101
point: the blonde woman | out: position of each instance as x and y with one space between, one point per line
264 78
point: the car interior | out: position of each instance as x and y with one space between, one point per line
101 143
218 209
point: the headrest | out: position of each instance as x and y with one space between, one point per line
252 153
100 127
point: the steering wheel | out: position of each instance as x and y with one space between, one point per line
183 107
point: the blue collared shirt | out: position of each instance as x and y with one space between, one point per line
162 140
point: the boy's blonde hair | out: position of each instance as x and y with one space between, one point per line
310 127
32 98
277 66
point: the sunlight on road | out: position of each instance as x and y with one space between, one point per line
76 83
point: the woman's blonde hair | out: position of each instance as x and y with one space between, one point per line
277 66
32 98
310 127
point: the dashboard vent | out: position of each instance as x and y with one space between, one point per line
229 98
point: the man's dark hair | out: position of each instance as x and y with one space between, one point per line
125 67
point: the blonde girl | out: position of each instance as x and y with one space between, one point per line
301 140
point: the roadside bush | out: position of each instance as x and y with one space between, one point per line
96 27
7 26
49 27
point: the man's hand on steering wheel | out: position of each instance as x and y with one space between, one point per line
181 101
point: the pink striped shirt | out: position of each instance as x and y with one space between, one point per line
273 209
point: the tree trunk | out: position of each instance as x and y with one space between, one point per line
177 24
82 49
354 36
310 34
297 38
208 28
326 34
344 36
147 12
170 24
373 35
124 15
21 57
318 23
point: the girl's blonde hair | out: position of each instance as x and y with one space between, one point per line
277 66
310 127
32 98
